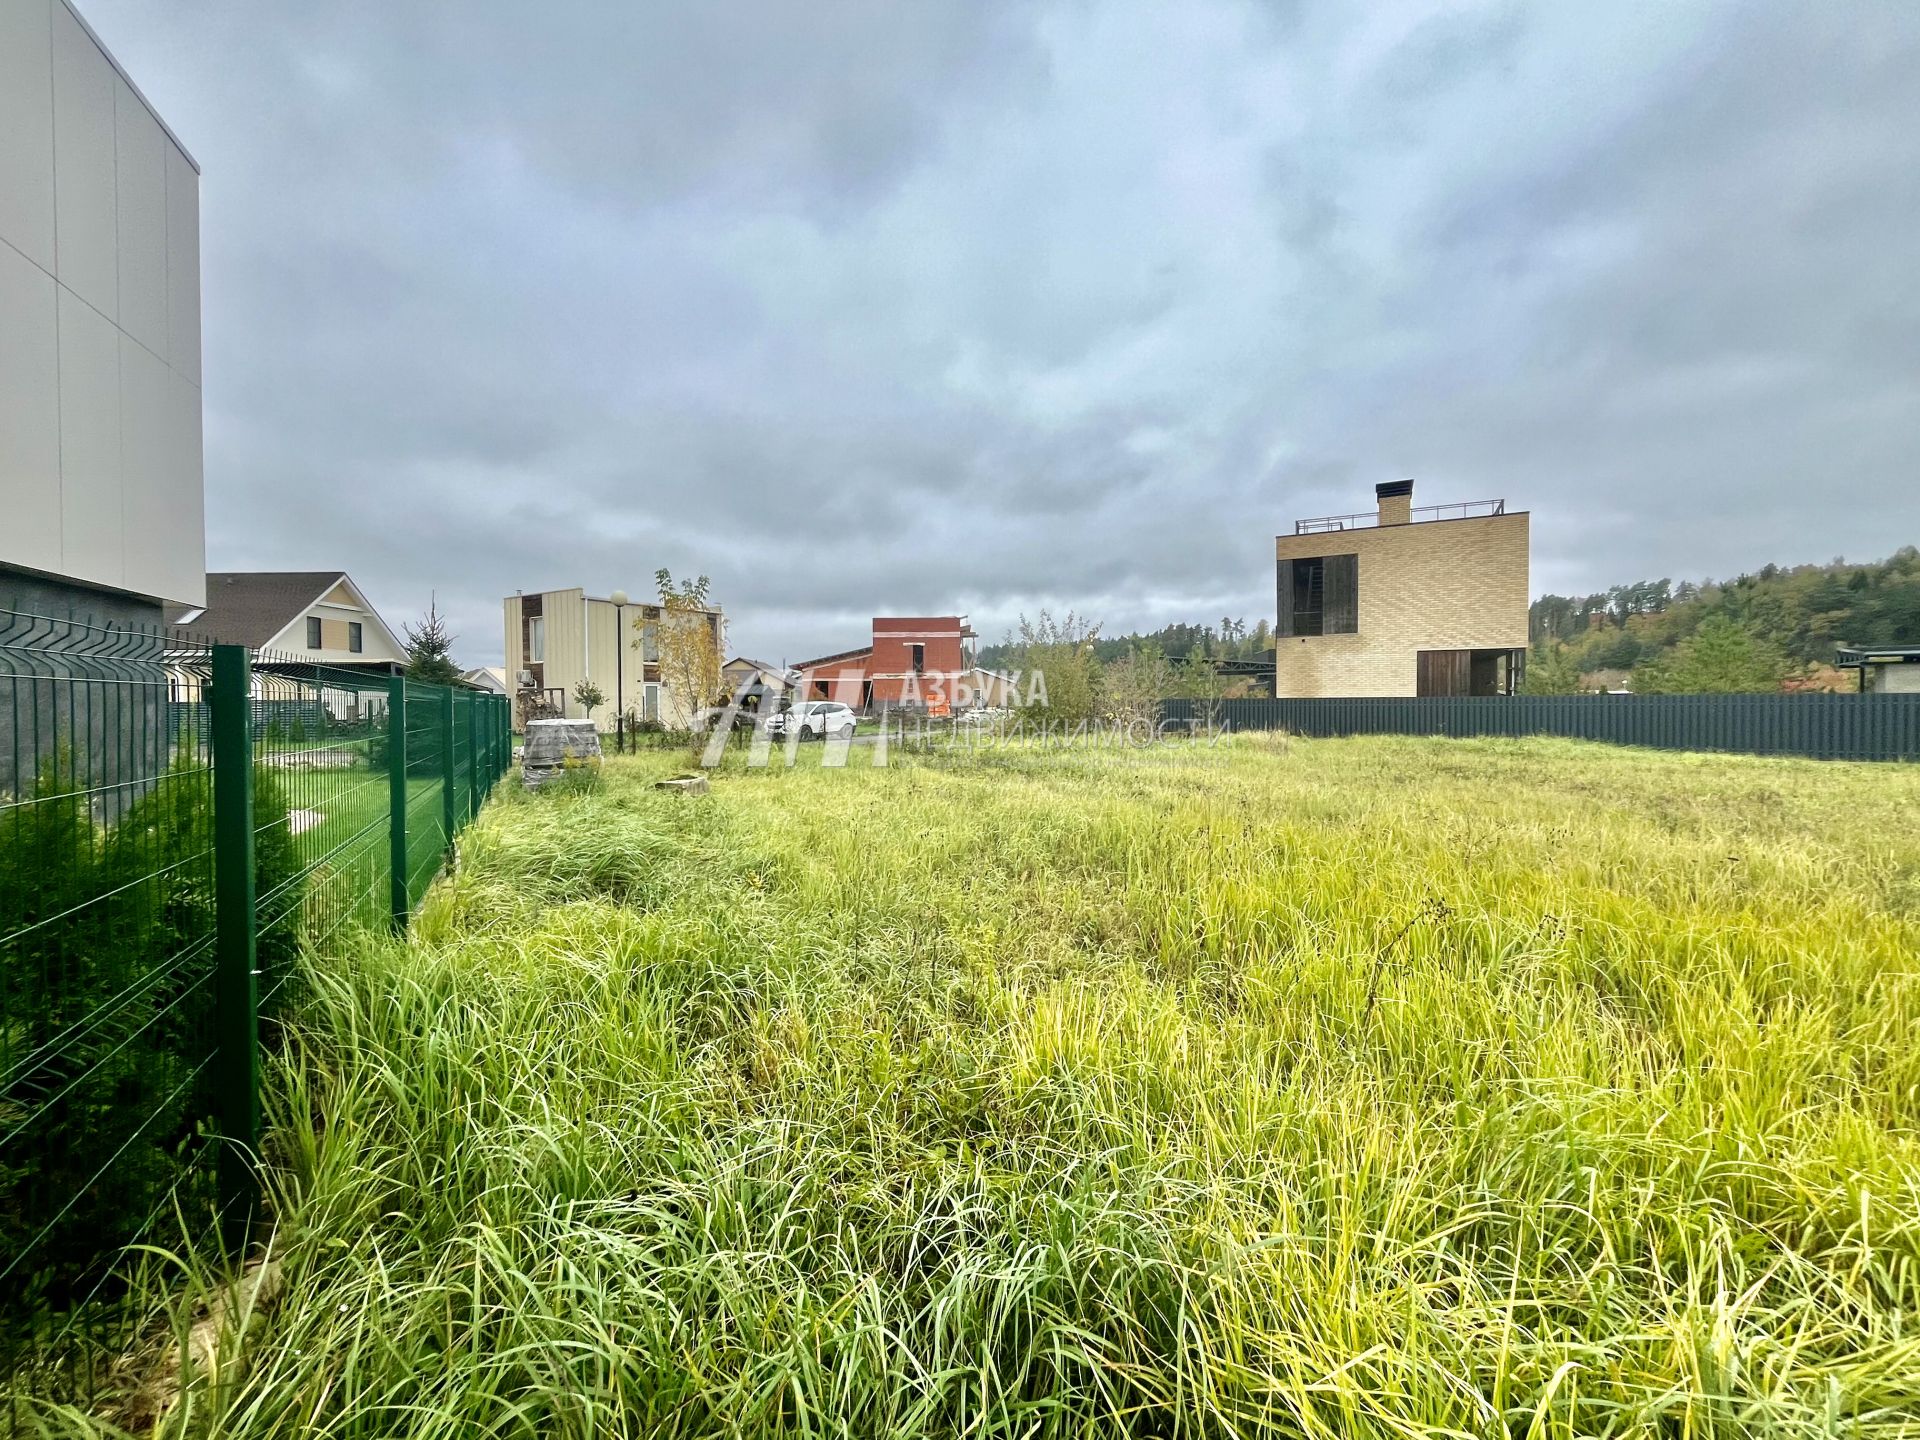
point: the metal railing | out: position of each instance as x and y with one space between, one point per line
1370 519
1822 727
179 823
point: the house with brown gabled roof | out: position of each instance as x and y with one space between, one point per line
315 616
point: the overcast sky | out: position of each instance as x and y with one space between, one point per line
896 306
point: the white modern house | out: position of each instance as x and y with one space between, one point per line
100 464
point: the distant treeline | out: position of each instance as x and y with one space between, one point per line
1801 613
1230 640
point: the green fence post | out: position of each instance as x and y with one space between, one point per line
236 980
449 765
475 764
397 797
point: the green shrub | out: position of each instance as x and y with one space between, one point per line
109 1007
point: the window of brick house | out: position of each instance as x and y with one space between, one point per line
1319 595
919 658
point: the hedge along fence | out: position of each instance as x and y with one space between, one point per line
178 822
1824 727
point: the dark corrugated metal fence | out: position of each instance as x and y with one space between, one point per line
1823 727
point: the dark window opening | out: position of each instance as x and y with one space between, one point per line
1319 595
919 659
354 636
820 689
1309 596
313 632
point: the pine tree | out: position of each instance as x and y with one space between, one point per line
1719 658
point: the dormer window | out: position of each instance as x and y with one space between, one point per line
313 632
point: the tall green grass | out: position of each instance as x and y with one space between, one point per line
1342 1088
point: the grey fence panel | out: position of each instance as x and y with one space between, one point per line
1825 727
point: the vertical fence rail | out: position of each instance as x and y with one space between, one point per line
449 775
179 824
236 931
400 902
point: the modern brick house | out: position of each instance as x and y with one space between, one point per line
912 661
1403 601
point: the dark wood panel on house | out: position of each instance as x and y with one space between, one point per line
1444 672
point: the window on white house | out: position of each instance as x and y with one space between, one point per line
313 632
537 639
354 637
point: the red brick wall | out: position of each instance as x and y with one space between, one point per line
943 659
844 680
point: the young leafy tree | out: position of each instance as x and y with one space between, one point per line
1198 679
1060 674
589 696
430 650
688 644
1551 671
1135 685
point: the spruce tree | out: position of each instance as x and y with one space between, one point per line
430 650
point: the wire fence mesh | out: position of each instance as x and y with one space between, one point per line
119 993
106 954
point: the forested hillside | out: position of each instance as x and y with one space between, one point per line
1790 619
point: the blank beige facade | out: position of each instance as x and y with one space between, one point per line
100 440
1403 601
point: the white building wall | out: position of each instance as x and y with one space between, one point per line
100 412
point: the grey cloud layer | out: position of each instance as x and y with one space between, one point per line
876 307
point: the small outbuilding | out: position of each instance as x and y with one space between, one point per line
1885 669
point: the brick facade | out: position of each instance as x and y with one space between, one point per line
918 661
1445 584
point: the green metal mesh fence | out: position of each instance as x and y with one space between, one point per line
106 955
145 932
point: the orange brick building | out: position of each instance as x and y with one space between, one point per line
912 661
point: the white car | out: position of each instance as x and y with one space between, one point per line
815 718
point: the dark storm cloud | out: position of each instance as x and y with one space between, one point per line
868 307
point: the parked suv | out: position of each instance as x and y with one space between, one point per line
815 718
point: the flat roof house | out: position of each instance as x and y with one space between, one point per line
1885 670
100 474
557 638
1403 601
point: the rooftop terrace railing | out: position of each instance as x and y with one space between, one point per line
1370 519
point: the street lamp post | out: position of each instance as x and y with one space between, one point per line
619 598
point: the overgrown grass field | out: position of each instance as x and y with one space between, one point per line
1327 1088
